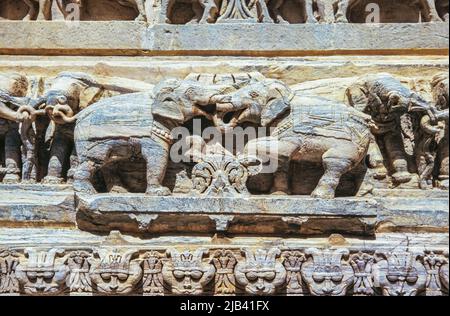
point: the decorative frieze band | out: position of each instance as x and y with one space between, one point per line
118 270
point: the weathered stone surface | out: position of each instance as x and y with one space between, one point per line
82 38
37 206
263 215
358 117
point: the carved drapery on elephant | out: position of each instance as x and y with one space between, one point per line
307 128
389 103
140 124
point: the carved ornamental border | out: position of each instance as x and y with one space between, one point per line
119 270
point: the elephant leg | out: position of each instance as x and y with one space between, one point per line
342 10
444 164
376 161
83 176
198 13
430 11
73 166
45 10
336 162
31 10
326 11
310 18
169 10
281 178
264 12
59 153
275 7
156 156
140 5
209 12
12 156
397 157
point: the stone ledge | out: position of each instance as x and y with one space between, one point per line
137 213
132 38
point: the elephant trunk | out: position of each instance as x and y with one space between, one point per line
61 114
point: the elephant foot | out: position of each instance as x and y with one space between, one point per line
141 18
11 179
280 20
341 19
402 177
52 180
311 21
27 18
193 22
323 193
280 193
84 187
425 184
29 181
158 191
380 173
118 189
444 184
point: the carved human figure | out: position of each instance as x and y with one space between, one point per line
205 11
306 128
389 103
13 89
122 127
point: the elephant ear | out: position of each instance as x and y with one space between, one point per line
166 105
279 102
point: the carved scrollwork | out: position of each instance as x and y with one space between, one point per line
224 261
9 260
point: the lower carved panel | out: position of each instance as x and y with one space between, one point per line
118 268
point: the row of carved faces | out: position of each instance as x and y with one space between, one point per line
125 271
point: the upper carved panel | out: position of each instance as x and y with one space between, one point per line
120 135
230 11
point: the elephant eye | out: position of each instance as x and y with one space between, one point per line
254 94
62 100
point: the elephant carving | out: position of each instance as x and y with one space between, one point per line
42 9
339 10
68 93
305 128
389 103
13 89
432 149
205 11
125 127
305 5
